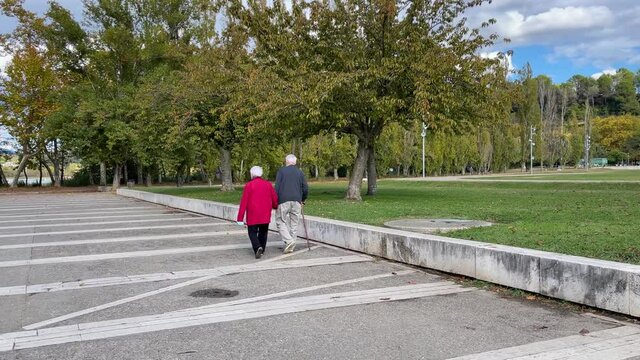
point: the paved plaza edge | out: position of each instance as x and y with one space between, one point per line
601 284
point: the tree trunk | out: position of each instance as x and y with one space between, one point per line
51 173
203 173
26 177
62 169
140 177
40 169
241 177
225 168
335 174
316 171
103 174
3 178
91 182
355 180
21 167
56 165
126 173
159 174
148 181
116 177
372 173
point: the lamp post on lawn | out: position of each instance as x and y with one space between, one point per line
423 134
532 132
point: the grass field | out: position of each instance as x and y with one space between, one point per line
594 174
593 220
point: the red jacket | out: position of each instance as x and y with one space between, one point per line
258 198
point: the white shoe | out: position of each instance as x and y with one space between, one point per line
289 247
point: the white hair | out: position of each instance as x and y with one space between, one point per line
291 159
256 171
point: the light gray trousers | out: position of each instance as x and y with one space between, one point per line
287 219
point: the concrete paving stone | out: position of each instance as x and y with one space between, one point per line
131 266
44 306
15 254
71 219
128 233
13 308
88 249
93 229
14 276
66 221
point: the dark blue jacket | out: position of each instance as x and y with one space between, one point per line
291 185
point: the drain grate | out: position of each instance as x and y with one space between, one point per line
214 293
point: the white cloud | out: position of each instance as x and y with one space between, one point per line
494 54
4 61
519 27
598 33
609 71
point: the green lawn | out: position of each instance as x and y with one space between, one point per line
593 220
594 174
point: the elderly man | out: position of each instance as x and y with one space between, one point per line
292 191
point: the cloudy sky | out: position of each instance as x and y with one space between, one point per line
559 38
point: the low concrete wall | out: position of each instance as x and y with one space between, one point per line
602 284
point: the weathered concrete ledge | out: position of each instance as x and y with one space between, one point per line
602 284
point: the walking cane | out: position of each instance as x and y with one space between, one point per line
304 224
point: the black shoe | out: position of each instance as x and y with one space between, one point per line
259 253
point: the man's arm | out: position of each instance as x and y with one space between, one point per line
278 181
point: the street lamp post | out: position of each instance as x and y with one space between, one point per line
424 135
587 154
532 132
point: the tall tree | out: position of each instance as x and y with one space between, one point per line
626 96
356 66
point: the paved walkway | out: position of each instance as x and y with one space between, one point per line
94 276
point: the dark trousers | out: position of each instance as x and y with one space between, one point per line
258 235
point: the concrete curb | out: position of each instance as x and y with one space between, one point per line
602 284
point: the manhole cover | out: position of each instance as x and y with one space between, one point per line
430 226
214 293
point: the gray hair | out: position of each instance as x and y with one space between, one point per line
291 159
255 172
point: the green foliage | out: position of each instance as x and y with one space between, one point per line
161 87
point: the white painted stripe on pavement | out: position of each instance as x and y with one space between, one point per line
176 218
70 203
145 214
122 210
114 229
122 239
57 207
139 325
176 275
123 255
593 345
142 296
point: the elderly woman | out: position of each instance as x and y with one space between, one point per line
258 198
